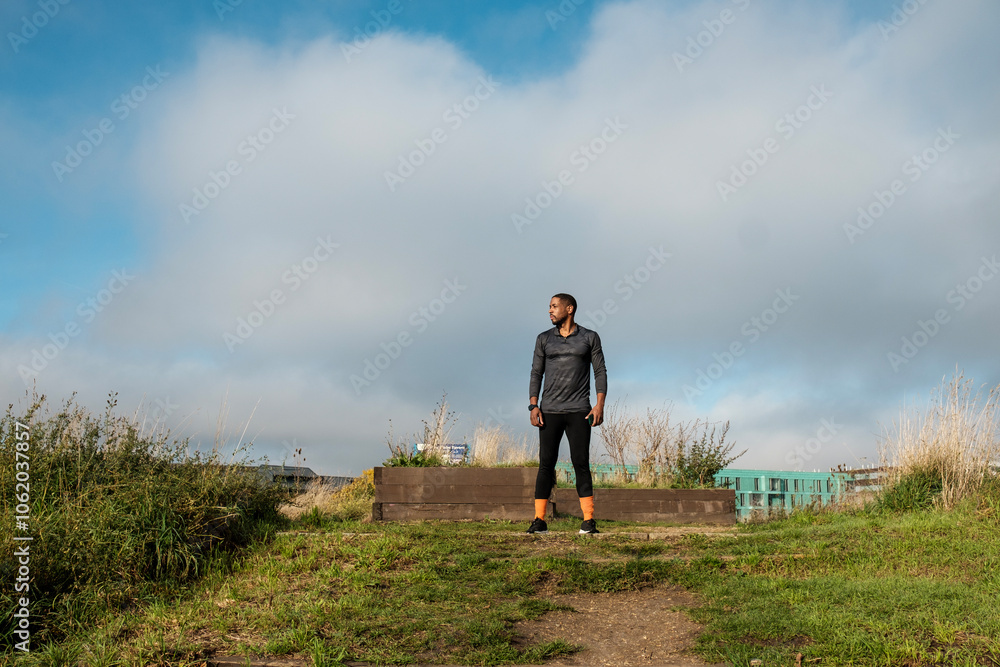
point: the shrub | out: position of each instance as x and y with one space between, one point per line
700 459
113 508
684 455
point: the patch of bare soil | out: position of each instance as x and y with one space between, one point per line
622 629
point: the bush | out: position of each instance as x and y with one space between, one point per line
704 456
681 455
113 509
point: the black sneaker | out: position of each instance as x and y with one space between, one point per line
588 527
538 526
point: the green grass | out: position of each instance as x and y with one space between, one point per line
914 589
852 589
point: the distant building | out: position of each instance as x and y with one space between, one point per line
763 491
292 476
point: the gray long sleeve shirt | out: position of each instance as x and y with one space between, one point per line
565 363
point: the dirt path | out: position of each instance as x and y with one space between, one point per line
621 629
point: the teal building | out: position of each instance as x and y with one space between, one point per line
763 491
758 491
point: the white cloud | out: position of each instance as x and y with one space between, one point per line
656 184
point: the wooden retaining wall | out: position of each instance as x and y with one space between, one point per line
403 494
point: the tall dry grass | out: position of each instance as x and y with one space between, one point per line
657 448
952 441
350 502
499 446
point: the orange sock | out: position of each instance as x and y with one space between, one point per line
541 504
587 505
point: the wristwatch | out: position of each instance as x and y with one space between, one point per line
532 407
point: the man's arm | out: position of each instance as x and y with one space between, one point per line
535 386
600 379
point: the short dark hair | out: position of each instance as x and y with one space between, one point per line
566 299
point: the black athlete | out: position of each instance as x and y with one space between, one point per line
564 355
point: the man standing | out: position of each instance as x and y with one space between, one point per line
564 354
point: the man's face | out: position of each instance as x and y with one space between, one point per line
558 311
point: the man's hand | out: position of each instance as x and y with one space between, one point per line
598 414
536 417
598 411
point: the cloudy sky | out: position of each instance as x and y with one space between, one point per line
317 217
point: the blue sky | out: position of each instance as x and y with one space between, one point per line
870 95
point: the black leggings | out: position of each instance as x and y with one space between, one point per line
577 430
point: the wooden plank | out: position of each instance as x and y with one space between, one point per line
480 511
457 475
431 496
446 493
675 505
